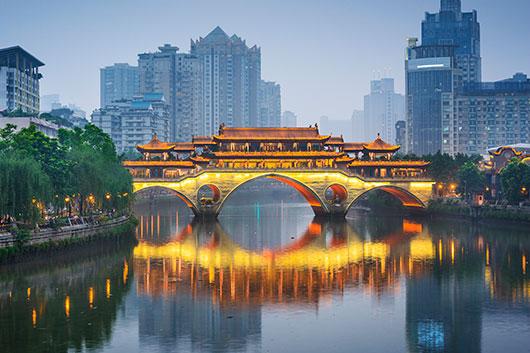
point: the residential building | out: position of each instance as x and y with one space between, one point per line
178 76
451 26
289 119
19 80
383 107
432 80
492 114
119 81
134 122
270 104
48 128
231 73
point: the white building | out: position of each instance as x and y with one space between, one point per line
19 80
49 102
46 127
133 122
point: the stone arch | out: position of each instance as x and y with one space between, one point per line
308 193
180 195
407 198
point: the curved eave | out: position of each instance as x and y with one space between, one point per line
155 149
381 150
147 164
394 164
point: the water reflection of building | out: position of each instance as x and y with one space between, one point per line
219 283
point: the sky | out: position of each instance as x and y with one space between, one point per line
323 53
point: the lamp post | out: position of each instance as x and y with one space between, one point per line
67 201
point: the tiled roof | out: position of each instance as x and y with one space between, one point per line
179 164
156 145
379 145
270 133
402 164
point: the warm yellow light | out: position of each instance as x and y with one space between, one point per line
440 186
28 293
34 317
67 199
67 306
91 296
107 196
453 186
107 288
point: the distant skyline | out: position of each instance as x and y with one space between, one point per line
323 54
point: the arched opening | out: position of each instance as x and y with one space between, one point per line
336 194
158 193
162 214
399 195
274 186
208 194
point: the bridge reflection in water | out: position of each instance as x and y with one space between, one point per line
275 279
217 279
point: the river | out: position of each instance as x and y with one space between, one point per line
268 277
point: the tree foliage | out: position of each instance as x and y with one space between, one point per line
515 181
470 180
79 164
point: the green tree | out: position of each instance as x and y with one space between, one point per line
471 180
23 186
515 181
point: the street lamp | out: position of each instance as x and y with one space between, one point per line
67 201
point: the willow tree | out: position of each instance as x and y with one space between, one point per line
23 187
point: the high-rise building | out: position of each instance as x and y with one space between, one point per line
289 119
491 114
119 81
431 82
383 107
451 26
448 57
19 80
270 104
134 122
231 72
179 77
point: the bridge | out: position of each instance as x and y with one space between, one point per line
329 173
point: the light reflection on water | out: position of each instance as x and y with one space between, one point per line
272 278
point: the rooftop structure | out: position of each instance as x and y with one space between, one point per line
19 80
273 148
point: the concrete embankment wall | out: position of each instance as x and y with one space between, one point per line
69 233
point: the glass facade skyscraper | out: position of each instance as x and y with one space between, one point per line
448 57
451 26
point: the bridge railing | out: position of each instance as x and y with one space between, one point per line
423 177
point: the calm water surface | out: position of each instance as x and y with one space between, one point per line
270 278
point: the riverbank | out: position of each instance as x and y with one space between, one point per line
511 214
14 247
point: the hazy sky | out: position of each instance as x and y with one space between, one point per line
323 53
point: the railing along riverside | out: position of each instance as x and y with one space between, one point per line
62 233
